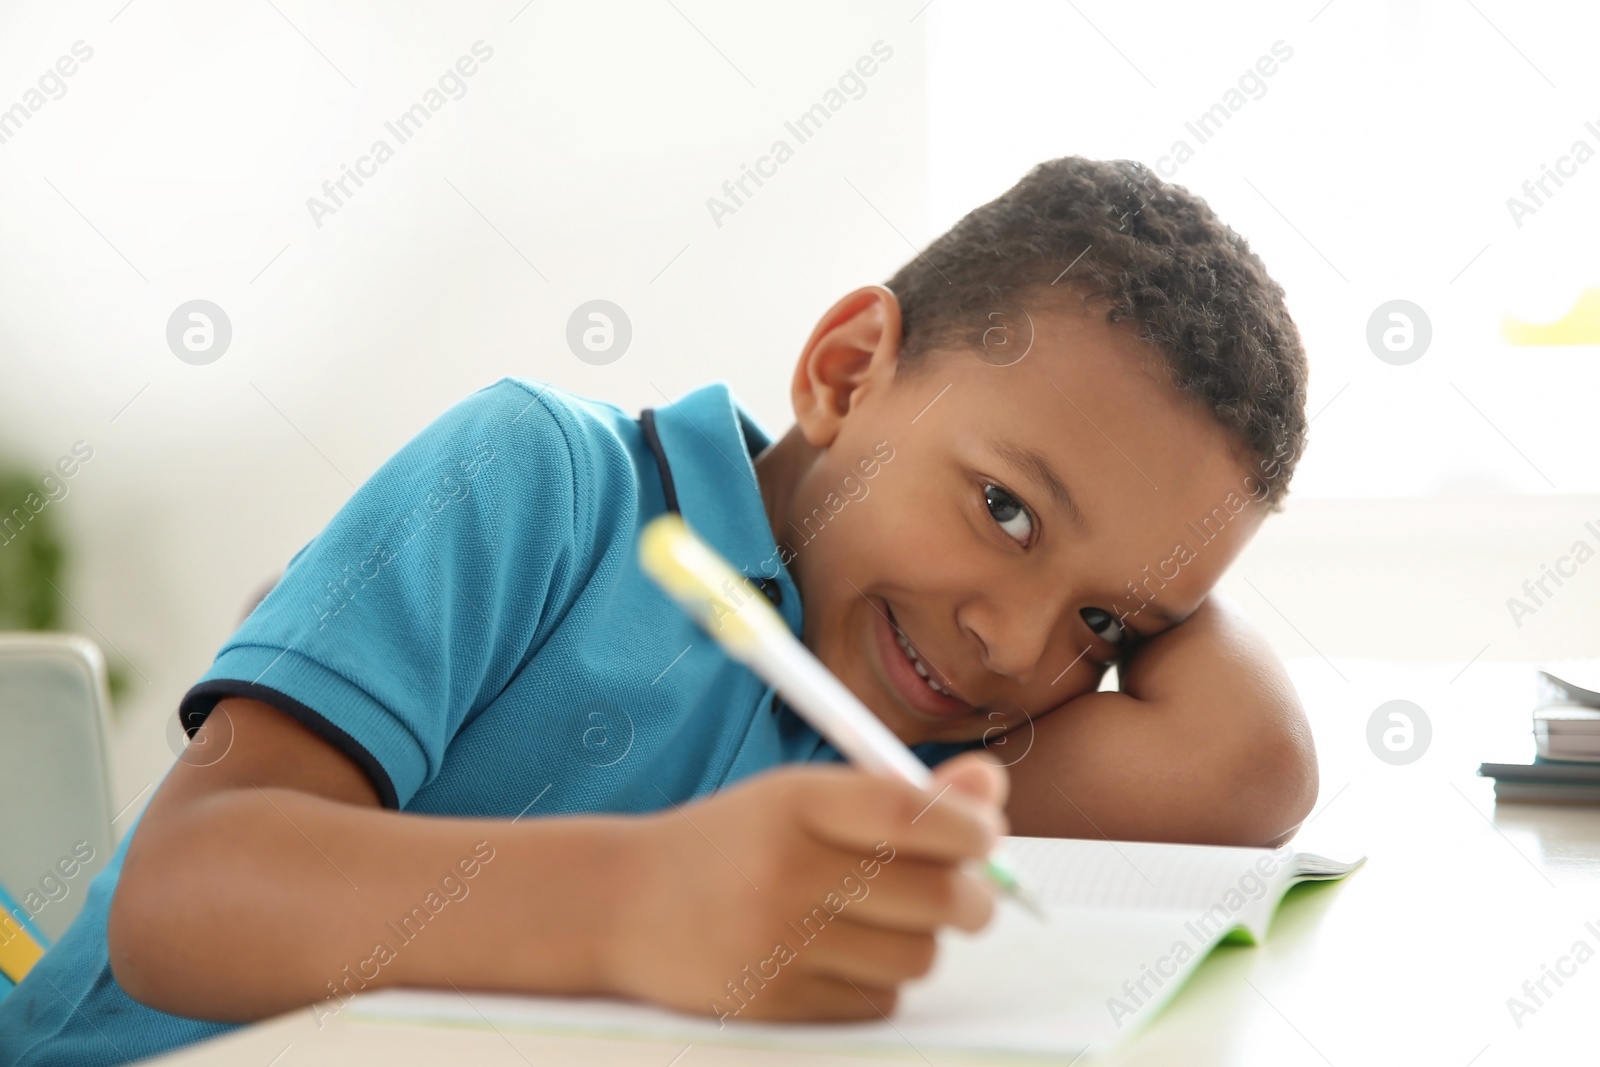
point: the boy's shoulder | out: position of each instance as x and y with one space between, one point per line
522 396
591 456
525 407
531 416
540 435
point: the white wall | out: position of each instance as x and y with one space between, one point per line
591 140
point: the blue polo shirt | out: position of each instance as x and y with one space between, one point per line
472 629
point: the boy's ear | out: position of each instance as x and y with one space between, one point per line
853 350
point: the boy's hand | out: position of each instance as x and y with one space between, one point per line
804 893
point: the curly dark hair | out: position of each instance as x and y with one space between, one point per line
1154 255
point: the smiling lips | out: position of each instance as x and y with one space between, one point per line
917 683
916 661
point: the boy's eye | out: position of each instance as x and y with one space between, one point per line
1104 624
1008 511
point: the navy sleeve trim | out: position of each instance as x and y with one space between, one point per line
198 702
647 424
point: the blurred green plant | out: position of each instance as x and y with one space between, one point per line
33 563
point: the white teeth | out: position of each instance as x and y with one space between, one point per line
916 663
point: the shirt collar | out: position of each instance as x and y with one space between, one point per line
709 443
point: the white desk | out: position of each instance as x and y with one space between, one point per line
1410 961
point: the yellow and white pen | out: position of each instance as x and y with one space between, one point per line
753 633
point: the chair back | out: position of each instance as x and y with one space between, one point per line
55 793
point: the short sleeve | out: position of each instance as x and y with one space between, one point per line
425 593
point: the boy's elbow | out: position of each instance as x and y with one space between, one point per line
1275 783
136 935
125 922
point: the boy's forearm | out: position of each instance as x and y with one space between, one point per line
1206 742
327 898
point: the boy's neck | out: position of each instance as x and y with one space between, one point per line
779 468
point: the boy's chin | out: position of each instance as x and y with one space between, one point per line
1006 738
916 729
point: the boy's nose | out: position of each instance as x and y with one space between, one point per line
1011 642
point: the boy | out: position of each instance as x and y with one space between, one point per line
1028 457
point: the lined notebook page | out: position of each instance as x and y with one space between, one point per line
1130 875
1018 986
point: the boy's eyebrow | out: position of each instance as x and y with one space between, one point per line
1043 473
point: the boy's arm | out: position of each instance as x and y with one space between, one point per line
1206 743
270 878
253 882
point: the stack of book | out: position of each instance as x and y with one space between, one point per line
1566 732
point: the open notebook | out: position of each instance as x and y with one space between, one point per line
1128 922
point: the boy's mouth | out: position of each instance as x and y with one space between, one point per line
918 684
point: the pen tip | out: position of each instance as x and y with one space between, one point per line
1003 876
1030 905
